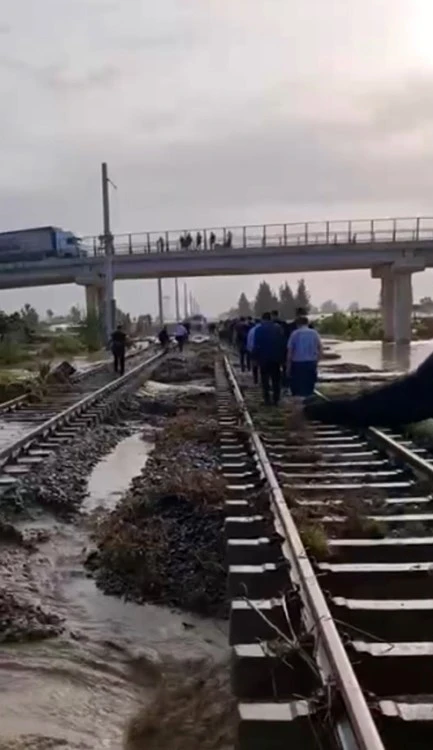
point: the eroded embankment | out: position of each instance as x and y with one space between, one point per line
187 702
164 542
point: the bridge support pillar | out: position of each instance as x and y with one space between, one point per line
403 308
396 298
387 294
92 300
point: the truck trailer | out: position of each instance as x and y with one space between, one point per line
38 244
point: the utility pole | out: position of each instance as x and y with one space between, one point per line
185 301
110 302
160 303
176 296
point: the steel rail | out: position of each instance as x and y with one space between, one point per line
77 377
24 443
389 445
359 715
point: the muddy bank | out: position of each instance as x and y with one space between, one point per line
164 543
196 363
79 689
191 711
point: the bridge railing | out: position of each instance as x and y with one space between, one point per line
290 235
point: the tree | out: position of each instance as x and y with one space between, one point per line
90 332
265 301
287 302
302 297
244 307
353 307
329 307
50 315
30 317
75 315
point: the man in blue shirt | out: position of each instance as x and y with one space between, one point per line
304 350
268 348
250 349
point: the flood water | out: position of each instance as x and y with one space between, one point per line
78 691
381 356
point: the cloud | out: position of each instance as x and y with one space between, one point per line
212 113
404 106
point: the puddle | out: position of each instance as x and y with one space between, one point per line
112 476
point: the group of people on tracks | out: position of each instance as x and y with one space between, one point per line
281 354
181 335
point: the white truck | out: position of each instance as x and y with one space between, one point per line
38 244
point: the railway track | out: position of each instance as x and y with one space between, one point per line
330 573
65 413
19 415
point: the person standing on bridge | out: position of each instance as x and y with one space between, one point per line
268 350
118 348
198 241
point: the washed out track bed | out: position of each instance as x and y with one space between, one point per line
74 413
330 557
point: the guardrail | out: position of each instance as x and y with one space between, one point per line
324 234
303 234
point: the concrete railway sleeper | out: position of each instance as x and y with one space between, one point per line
330 650
18 458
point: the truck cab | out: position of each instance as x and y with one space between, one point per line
69 245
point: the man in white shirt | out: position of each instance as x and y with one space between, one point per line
304 350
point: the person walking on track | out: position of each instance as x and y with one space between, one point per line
267 352
304 350
118 348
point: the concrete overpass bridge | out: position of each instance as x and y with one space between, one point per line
393 249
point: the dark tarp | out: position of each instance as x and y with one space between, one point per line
403 401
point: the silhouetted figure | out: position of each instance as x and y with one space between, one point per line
160 245
188 240
250 348
182 242
229 240
212 240
405 400
164 338
268 348
198 240
241 332
118 348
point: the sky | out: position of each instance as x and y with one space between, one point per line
214 113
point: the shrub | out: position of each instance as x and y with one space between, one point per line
11 353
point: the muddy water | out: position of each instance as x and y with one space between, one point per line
379 355
79 690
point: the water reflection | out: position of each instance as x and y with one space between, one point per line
384 356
